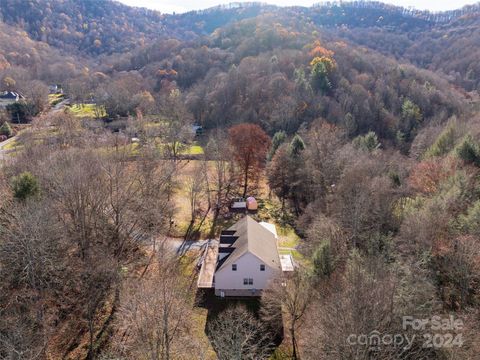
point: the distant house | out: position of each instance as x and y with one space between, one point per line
9 97
55 89
197 129
247 259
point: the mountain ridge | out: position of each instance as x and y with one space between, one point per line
110 26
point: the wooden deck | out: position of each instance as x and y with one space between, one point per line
207 271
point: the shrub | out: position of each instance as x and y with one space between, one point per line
470 222
468 151
444 143
6 129
277 140
368 142
25 185
323 260
21 112
296 146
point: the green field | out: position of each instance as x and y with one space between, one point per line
54 99
193 149
133 149
11 145
287 236
88 110
129 149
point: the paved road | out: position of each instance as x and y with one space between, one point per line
182 246
4 153
178 245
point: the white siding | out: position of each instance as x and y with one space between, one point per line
248 266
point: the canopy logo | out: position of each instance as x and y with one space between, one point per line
377 340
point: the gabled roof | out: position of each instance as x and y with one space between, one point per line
10 95
251 237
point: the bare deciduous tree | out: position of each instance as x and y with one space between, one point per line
155 313
108 201
199 196
368 302
31 265
176 128
290 296
236 335
250 145
223 177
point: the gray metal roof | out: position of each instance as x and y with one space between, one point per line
10 95
255 239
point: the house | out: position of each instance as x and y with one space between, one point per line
55 89
197 129
270 227
247 259
9 97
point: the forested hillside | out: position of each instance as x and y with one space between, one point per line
108 26
450 49
277 71
90 26
355 126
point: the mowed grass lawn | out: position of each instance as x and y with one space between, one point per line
187 171
183 149
193 149
54 99
88 110
287 237
10 145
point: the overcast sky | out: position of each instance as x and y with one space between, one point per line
169 6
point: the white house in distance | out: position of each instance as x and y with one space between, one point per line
9 97
244 262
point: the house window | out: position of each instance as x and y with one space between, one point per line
234 267
250 281
245 281
262 267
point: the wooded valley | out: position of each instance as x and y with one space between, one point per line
127 136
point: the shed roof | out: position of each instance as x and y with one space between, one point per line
253 238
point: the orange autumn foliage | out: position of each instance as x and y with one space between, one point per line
250 145
166 73
319 51
427 175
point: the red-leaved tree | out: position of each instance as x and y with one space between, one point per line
250 145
